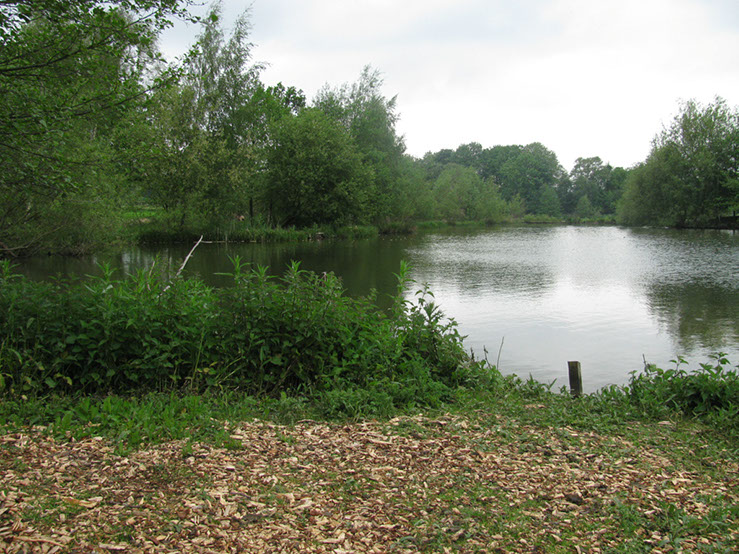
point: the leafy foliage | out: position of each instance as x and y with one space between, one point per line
712 391
690 177
600 183
369 118
68 70
315 174
499 183
529 173
94 121
297 334
195 153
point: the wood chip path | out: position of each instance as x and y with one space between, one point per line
408 485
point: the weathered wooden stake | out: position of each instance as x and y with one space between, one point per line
575 378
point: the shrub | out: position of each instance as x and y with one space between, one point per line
103 335
710 391
265 335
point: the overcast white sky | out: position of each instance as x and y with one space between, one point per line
583 77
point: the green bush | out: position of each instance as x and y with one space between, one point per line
103 335
710 391
298 334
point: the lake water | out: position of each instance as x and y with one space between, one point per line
534 297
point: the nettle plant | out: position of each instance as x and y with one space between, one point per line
710 391
297 334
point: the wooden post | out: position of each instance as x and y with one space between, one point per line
575 378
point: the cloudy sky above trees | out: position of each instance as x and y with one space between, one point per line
583 77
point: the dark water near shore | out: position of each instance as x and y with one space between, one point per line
539 296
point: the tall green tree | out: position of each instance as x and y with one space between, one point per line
315 173
601 183
212 127
223 77
549 202
415 200
513 180
457 190
493 159
370 119
650 189
691 176
589 177
433 163
468 155
460 194
180 166
529 173
68 71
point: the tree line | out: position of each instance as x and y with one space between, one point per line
691 176
95 122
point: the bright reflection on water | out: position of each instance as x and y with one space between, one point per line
605 296
540 296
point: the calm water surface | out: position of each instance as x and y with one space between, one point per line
535 297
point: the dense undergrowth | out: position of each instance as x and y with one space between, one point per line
143 359
299 334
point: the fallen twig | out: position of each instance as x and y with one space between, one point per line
187 258
38 539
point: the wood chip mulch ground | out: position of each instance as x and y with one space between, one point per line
408 485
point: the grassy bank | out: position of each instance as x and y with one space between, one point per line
148 227
295 341
507 466
155 233
145 415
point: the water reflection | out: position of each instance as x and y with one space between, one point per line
698 316
605 296
469 262
608 297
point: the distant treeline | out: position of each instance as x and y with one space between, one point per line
96 125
